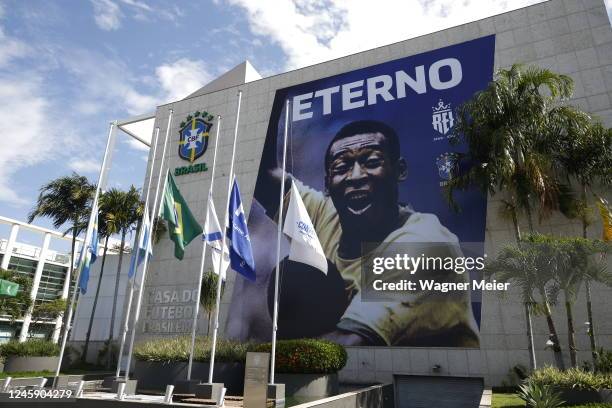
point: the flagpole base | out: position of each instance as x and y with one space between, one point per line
277 393
113 384
209 391
186 386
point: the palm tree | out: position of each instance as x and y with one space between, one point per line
208 297
103 232
66 200
576 263
506 128
584 154
530 267
125 208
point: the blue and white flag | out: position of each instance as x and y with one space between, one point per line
241 253
88 255
305 245
212 236
137 259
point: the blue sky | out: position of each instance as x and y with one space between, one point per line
68 68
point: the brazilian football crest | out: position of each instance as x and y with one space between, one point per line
193 134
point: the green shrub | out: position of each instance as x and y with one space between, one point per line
603 363
30 348
306 356
539 396
177 349
572 378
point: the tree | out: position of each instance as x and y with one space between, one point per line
208 297
46 310
530 266
103 233
506 130
66 201
576 262
124 208
583 154
15 307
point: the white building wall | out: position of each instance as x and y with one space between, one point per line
568 36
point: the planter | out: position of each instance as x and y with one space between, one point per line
573 396
16 363
309 385
155 375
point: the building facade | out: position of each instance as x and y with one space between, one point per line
571 37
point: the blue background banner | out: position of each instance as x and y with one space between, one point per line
420 119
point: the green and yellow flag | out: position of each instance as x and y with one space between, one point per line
183 227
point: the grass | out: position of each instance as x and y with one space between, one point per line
513 401
506 401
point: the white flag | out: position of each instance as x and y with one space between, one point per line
213 237
305 245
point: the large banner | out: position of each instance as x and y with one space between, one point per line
369 152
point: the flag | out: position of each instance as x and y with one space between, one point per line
88 255
241 253
8 288
137 258
606 218
305 245
212 236
183 226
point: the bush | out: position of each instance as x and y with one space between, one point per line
572 378
177 349
603 363
30 348
306 356
539 396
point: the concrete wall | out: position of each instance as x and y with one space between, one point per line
568 36
102 319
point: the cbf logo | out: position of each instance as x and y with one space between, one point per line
442 118
194 136
447 166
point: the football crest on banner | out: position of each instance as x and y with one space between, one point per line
193 136
447 166
442 118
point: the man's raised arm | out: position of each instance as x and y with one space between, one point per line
269 179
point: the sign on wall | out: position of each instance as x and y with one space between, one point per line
369 151
194 133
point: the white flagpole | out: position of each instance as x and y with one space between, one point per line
146 260
86 243
194 324
278 246
223 233
137 249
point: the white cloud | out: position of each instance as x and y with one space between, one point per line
26 134
107 14
137 145
84 166
314 31
10 48
182 77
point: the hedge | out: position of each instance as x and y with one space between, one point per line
30 348
572 378
311 356
177 349
292 356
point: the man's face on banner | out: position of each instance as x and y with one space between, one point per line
362 180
